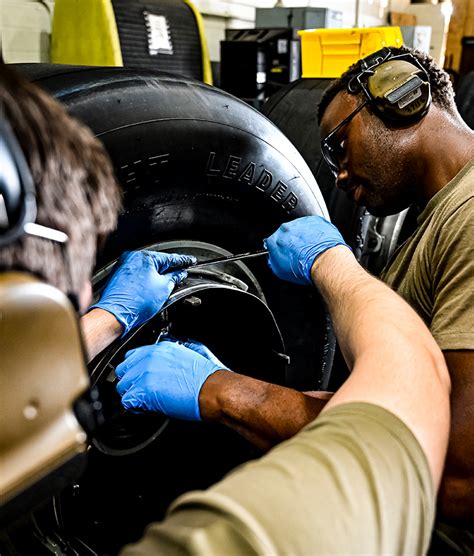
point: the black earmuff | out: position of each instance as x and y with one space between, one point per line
396 86
17 190
17 193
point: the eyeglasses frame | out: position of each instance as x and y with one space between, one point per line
326 148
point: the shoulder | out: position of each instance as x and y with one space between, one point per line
459 194
449 230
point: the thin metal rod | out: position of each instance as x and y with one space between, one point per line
231 258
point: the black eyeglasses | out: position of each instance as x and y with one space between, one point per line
331 147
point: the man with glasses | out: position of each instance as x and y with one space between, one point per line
386 153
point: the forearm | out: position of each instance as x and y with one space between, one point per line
394 359
367 314
263 413
364 309
99 329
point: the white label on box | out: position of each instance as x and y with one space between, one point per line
159 39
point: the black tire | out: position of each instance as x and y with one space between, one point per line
194 163
294 110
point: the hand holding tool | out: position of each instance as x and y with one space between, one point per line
166 377
294 247
137 290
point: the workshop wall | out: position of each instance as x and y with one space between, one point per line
25 30
25 25
220 15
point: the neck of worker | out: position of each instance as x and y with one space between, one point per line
446 145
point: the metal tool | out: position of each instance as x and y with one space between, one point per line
227 259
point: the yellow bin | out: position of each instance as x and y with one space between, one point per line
329 52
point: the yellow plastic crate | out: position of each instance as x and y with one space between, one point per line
329 52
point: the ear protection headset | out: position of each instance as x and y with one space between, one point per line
17 193
396 86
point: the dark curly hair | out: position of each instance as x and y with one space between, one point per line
442 91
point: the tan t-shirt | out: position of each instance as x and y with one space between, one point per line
354 481
434 269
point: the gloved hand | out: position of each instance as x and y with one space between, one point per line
136 290
166 377
293 248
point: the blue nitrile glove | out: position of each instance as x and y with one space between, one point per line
166 377
136 291
293 248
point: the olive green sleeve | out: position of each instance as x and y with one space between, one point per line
452 321
353 481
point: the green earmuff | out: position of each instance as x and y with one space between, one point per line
397 86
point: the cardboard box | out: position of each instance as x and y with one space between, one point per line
401 19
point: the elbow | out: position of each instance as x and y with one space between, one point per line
456 499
